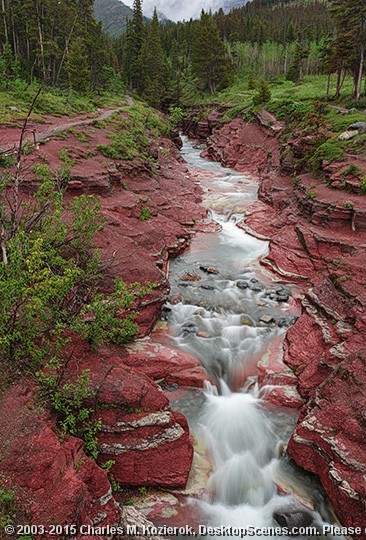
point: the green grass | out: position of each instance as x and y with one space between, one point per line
51 102
288 99
131 136
328 151
145 214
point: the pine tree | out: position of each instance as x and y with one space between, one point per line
78 66
295 73
347 51
210 61
134 42
153 60
263 95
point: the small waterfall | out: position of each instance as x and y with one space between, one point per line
219 320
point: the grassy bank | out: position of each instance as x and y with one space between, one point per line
16 100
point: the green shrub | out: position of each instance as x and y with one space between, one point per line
263 95
328 151
145 214
289 110
176 115
111 318
69 401
6 160
352 170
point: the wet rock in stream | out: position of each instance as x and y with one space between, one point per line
209 269
293 520
242 285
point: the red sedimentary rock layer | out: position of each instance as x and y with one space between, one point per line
318 241
150 444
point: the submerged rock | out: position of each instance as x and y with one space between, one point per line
209 269
203 335
242 285
190 276
293 519
266 319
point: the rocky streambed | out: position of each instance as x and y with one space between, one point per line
232 315
318 243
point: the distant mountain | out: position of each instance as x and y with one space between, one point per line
112 14
177 10
231 4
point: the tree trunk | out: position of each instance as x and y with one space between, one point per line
66 49
338 84
360 74
41 46
328 85
3 7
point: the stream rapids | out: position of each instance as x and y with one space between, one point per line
219 320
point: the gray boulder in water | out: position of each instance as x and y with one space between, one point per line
293 518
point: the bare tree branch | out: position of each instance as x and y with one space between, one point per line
14 216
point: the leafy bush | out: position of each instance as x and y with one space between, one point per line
352 170
329 151
123 147
6 160
176 115
111 318
75 418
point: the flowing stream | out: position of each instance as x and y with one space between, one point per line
227 313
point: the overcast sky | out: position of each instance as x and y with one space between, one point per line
176 10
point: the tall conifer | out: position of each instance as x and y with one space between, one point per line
210 62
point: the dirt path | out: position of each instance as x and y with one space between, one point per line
9 136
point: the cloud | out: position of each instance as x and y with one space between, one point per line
177 10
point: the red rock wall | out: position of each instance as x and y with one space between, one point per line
151 445
320 244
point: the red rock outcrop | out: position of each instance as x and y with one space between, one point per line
54 482
240 146
317 239
139 432
150 216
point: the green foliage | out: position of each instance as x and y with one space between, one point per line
123 147
329 151
6 160
107 465
145 214
111 318
263 95
348 205
75 418
363 185
7 507
155 67
176 115
78 66
210 61
134 39
352 170
295 73
130 136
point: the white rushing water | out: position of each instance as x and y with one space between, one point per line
241 433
